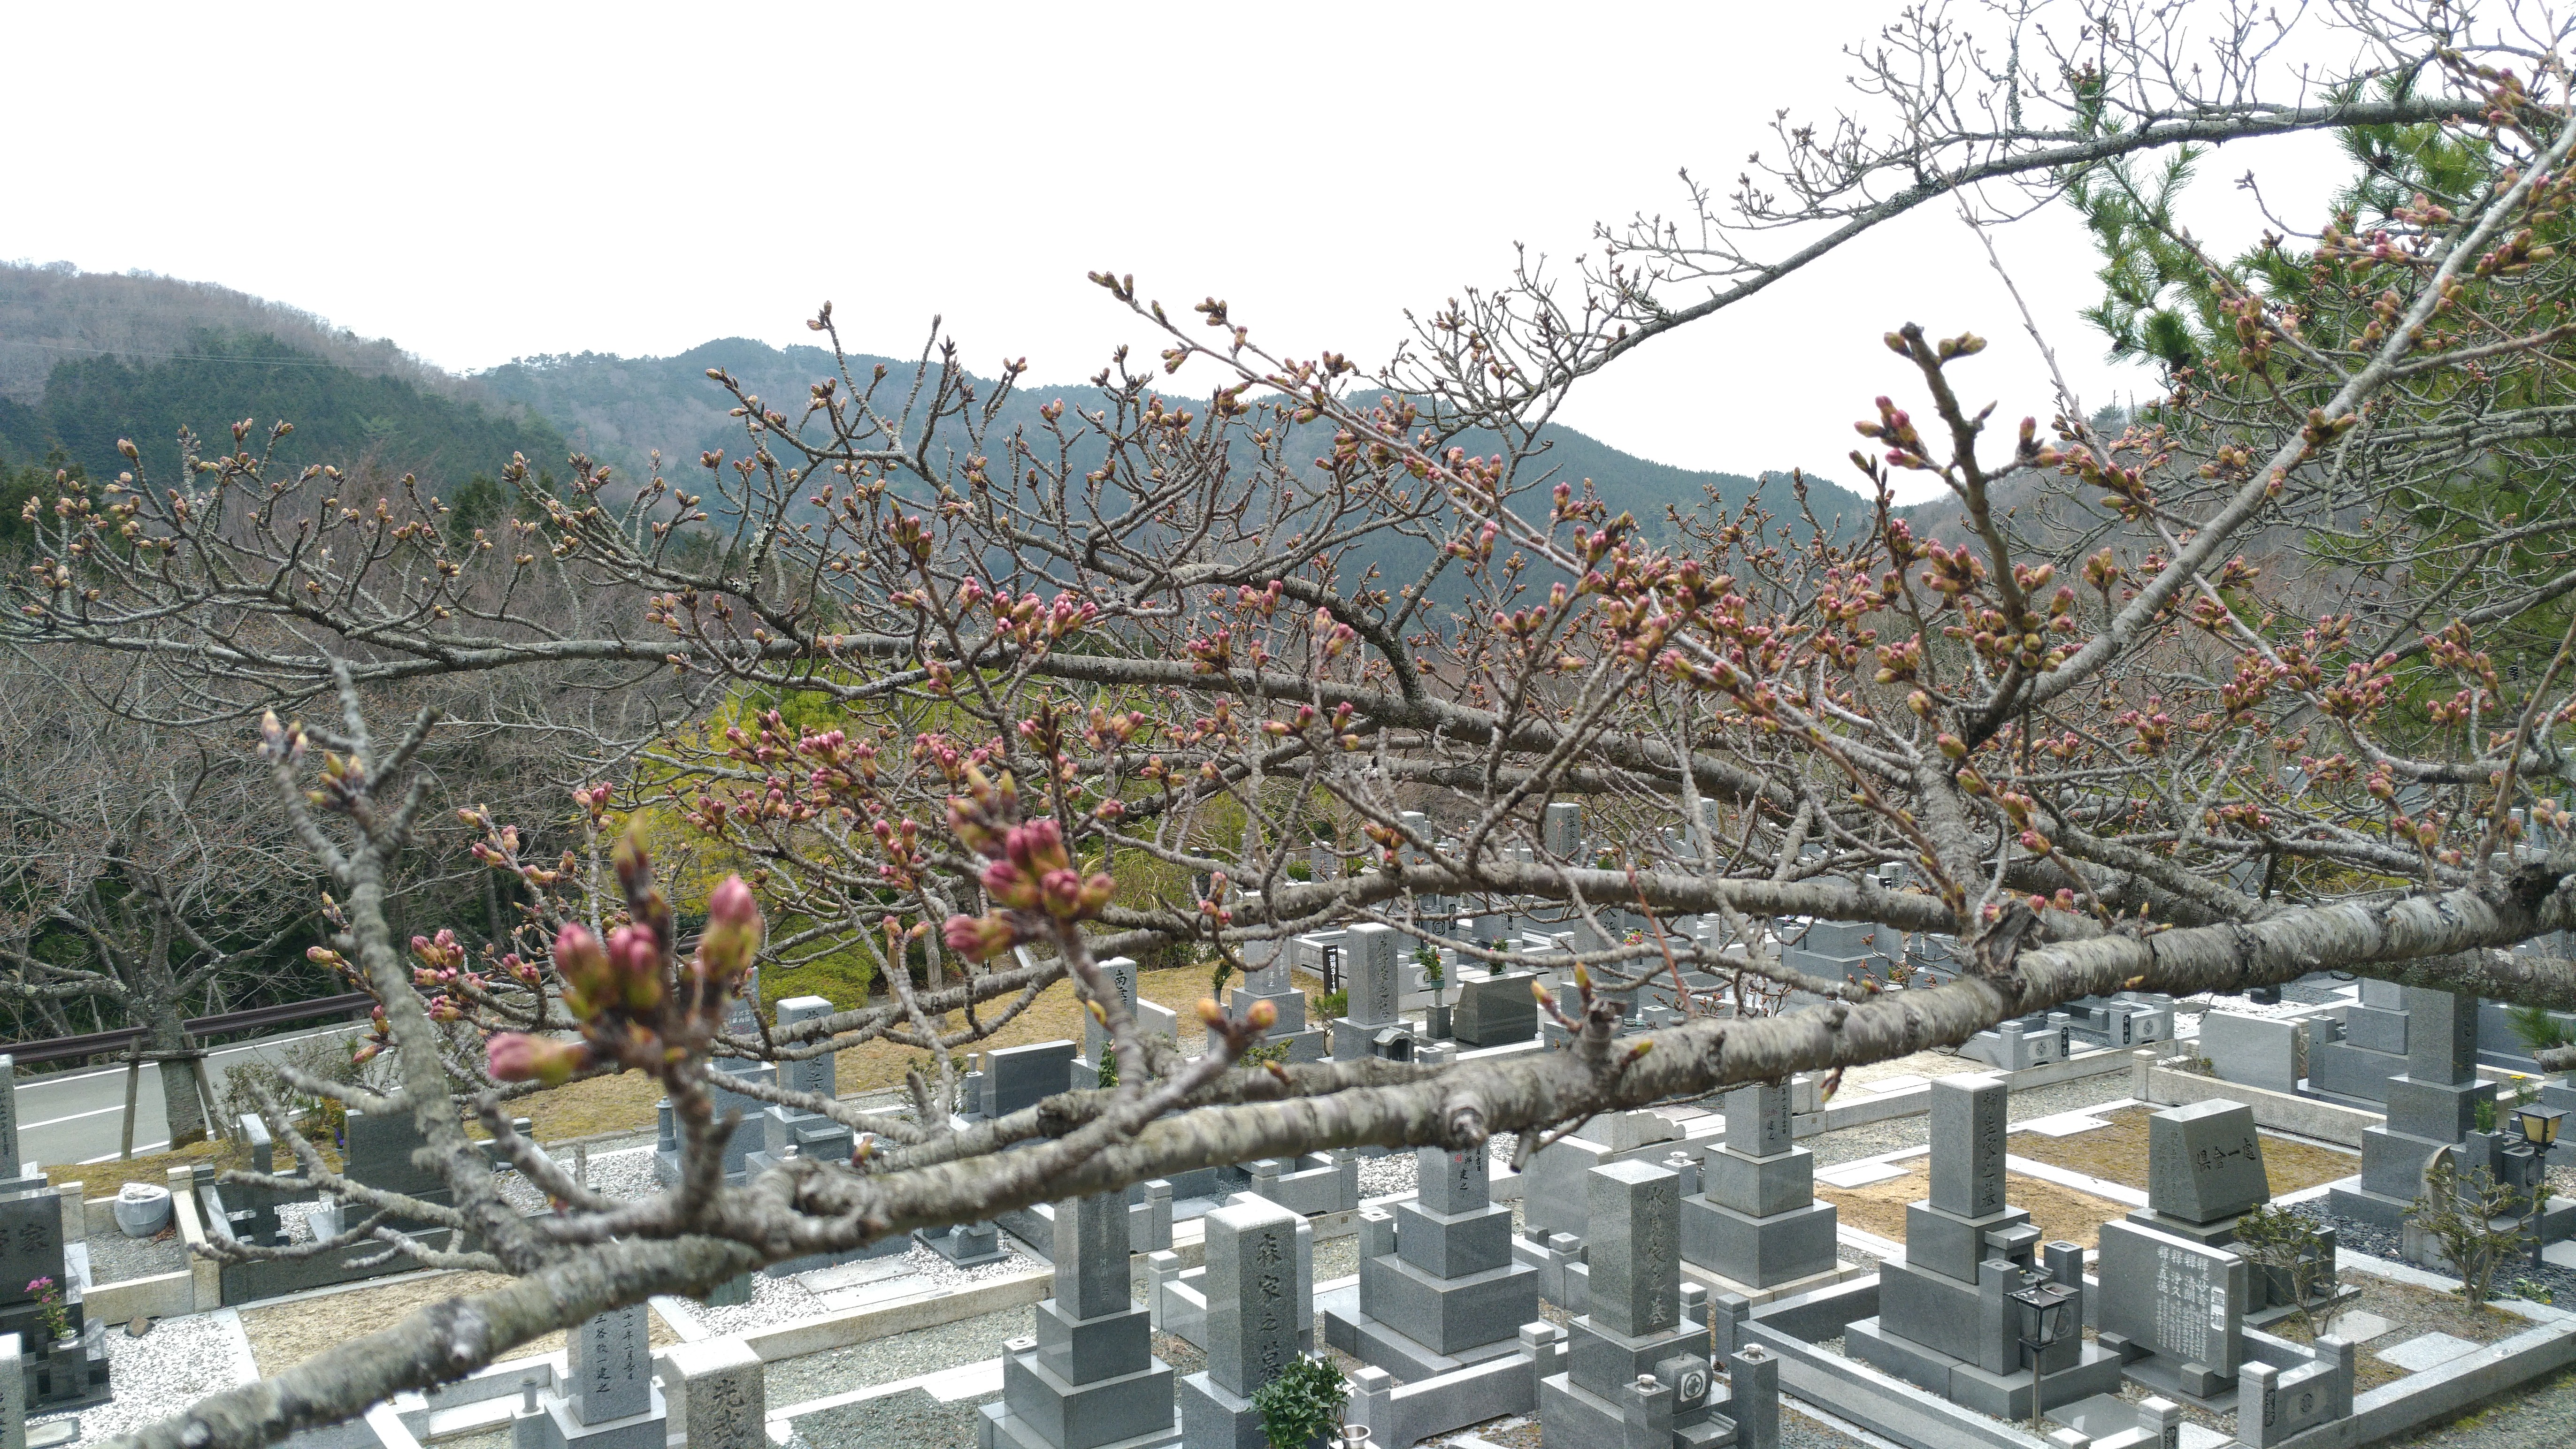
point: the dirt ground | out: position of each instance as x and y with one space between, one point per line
2412 1311
625 1101
2062 1214
102 1179
286 1335
2118 1153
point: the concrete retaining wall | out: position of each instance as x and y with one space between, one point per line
2305 1116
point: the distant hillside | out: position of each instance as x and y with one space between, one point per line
340 416
156 355
620 409
56 311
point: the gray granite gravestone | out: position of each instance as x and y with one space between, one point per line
1945 1321
13 1395
1023 1076
2171 1308
2205 1163
2253 1051
2431 1107
1375 975
1560 831
1495 1010
1446 1291
9 1171
723 1391
607 1399
1266 978
1252 1324
1637 1362
1089 1378
1755 1220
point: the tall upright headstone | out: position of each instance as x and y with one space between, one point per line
13 1395
1755 1220
1256 1323
1637 1361
2431 1107
1089 1377
9 1170
1375 971
607 1399
1561 830
1946 1321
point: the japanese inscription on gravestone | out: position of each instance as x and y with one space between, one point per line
610 1365
1969 1109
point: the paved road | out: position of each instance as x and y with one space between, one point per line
80 1117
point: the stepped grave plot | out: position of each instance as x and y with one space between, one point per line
2117 1152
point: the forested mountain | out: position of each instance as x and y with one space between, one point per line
88 358
621 409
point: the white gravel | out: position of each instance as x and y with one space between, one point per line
179 1362
785 1300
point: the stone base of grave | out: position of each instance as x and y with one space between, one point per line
1382 1346
1358 1041
995 1428
2192 1383
69 1375
968 1245
2003 1396
53 1434
1450 1315
1755 1295
1573 1417
1761 1251
1041 1409
558 1429
1212 1418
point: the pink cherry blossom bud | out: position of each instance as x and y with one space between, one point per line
518 1057
979 938
589 984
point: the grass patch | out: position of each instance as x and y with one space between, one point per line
625 1102
102 1179
2118 1153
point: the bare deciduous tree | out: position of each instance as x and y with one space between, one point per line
2227 699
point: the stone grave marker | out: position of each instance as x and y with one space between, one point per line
1753 1218
1089 1377
13 1392
1375 975
1561 830
1023 1076
609 1365
2205 1162
1251 1324
725 1393
2173 1301
9 1170
1968 1180
1120 972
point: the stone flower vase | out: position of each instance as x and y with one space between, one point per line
1439 1023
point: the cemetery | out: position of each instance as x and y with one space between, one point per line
2021 1243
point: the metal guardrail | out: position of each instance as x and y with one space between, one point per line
122 1039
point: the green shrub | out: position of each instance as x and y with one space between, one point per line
1334 1003
1303 1405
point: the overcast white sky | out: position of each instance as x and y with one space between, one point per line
480 183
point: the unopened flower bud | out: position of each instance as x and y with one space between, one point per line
515 1056
979 938
733 930
588 982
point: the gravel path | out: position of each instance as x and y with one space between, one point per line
114 1257
179 1362
785 1300
887 1360
1871 1139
